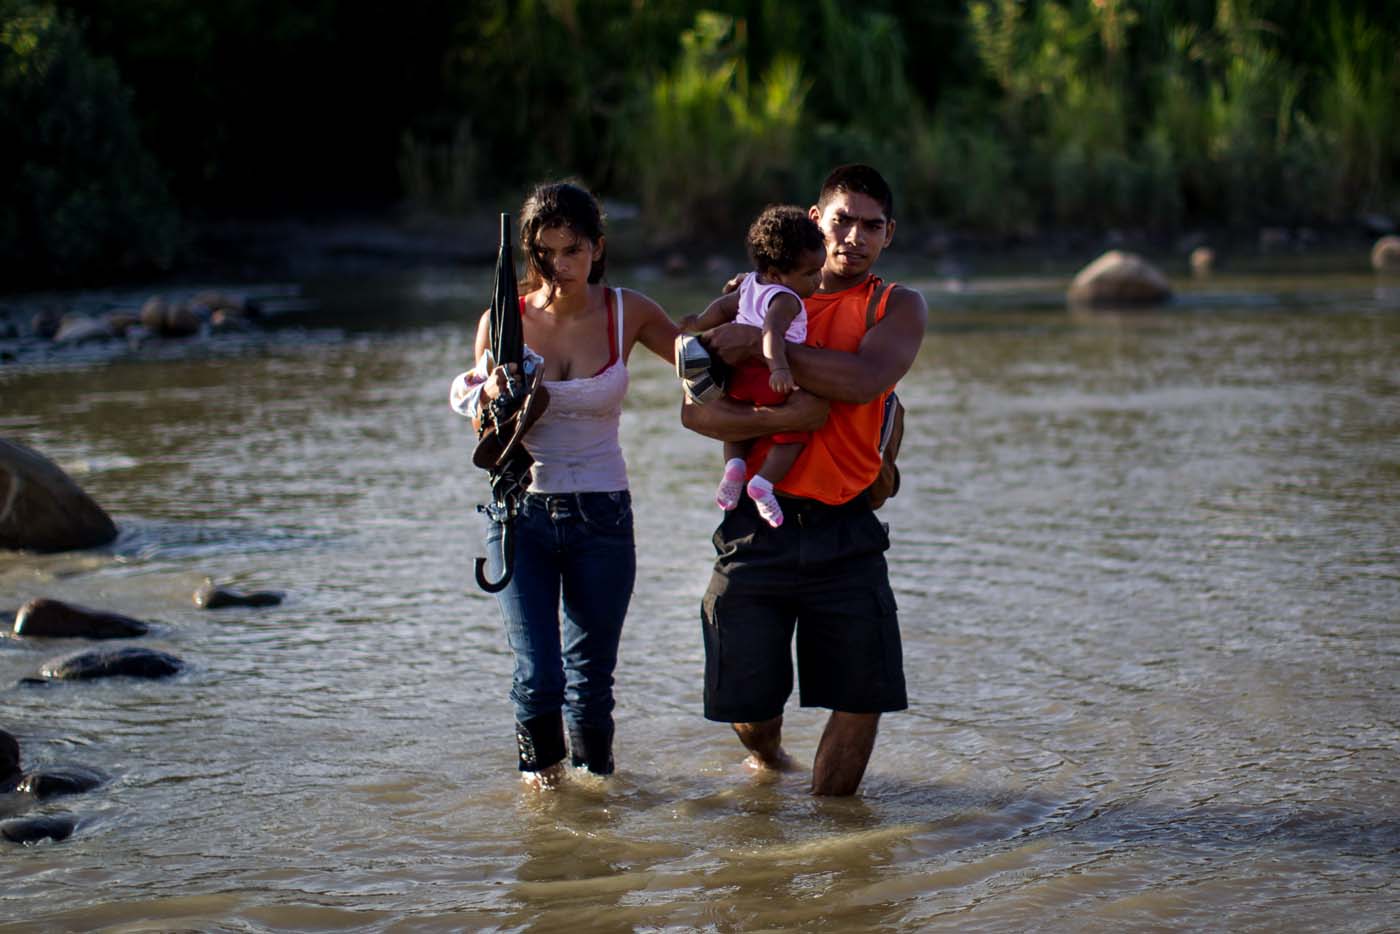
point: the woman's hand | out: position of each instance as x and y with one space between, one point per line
495 385
780 380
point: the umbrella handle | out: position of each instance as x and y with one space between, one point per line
507 558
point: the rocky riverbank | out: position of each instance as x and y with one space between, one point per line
349 249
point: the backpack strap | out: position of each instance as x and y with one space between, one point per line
886 483
893 416
875 308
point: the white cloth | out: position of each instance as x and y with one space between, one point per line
754 299
465 394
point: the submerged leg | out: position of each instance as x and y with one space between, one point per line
844 752
529 609
599 569
764 741
590 747
541 744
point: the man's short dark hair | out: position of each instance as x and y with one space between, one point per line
861 180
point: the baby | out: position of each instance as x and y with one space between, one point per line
787 251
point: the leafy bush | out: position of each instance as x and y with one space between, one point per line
709 140
1359 107
82 198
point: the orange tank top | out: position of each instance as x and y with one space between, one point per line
842 458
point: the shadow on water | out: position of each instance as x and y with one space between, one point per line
1005 814
749 853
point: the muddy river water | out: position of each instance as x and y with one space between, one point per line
1148 571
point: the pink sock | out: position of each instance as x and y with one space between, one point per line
731 485
761 492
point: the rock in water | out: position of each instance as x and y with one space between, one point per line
1118 278
153 314
61 780
34 829
111 663
1202 261
78 329
210 597
1385 255
42 509
59 620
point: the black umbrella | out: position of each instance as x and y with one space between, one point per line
507 337
505 419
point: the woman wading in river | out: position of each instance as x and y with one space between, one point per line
573 537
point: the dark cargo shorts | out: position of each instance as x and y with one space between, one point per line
822 575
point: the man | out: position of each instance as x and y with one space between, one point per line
822 573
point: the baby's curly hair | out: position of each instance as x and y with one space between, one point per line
780 235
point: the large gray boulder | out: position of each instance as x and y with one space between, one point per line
42 509
1119 278
1385 255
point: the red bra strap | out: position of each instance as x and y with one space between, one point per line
609 301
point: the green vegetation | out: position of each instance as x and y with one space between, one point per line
82 197
1004 116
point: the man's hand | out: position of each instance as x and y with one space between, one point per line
804 412
726 419
734 343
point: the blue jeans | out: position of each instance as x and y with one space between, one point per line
577 546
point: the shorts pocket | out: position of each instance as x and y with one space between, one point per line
869 535
714 644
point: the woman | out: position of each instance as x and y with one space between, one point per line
573 537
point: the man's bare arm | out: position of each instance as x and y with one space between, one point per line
725 419
885 354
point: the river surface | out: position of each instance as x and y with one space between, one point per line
1148 571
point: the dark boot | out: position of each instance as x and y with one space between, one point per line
541 742
591 748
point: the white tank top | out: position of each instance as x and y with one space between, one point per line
574 443
754 299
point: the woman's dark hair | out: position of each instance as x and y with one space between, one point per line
780 235
559 204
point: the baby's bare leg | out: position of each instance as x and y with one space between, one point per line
779 461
